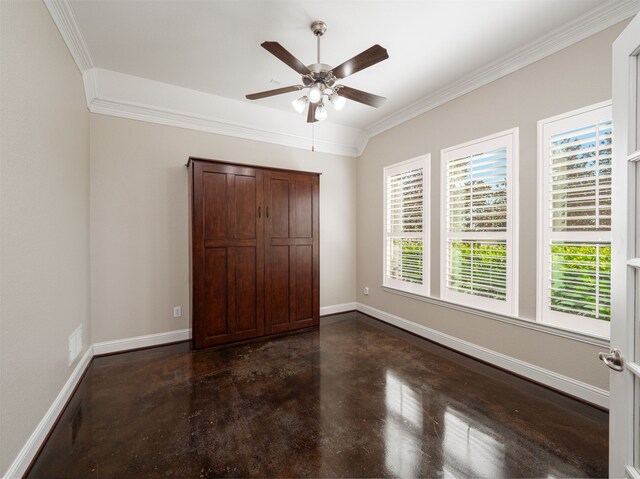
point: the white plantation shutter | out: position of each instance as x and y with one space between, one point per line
575 221
478 267
580 178
405 245
477 191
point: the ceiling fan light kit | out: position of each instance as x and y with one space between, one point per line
321 79
321 112
300 104
315 93
337 101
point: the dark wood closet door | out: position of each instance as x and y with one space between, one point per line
291 251
228 254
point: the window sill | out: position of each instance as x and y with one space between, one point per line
525 323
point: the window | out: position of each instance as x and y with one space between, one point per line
405 233
574 224
479 246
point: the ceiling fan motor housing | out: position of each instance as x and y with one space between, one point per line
320 73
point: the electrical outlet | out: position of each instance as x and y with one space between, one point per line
366 291
177 311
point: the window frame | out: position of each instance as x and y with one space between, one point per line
510 140
544 314
424 162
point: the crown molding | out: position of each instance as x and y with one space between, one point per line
329 137
125 96
136 104
590 23
152 114
60 11
361 142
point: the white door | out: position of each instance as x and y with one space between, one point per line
624 443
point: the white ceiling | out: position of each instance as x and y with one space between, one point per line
214 46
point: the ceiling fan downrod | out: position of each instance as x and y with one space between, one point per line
318 28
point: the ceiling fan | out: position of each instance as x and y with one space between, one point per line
321 79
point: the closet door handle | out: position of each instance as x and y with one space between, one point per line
267 211
259 212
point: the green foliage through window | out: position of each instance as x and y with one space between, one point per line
478 268
404 259
581 279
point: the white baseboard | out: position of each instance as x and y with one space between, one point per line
557 381
570 386
126 344
38 436
337 308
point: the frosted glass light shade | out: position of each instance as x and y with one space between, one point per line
315 94
300 104
321 112
338 101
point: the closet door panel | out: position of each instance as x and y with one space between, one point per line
303 205
291 249
228 253
278 282
245 207
215 205
215 314
279 208
246 293
304 283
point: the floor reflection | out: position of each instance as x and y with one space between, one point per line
403 429
353 400
469 451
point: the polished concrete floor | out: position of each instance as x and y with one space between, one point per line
355 399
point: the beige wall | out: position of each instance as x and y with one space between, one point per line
44 218
139 220
572 78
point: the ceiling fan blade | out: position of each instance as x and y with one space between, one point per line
363 60
311 116
277 91
361 96
283 55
